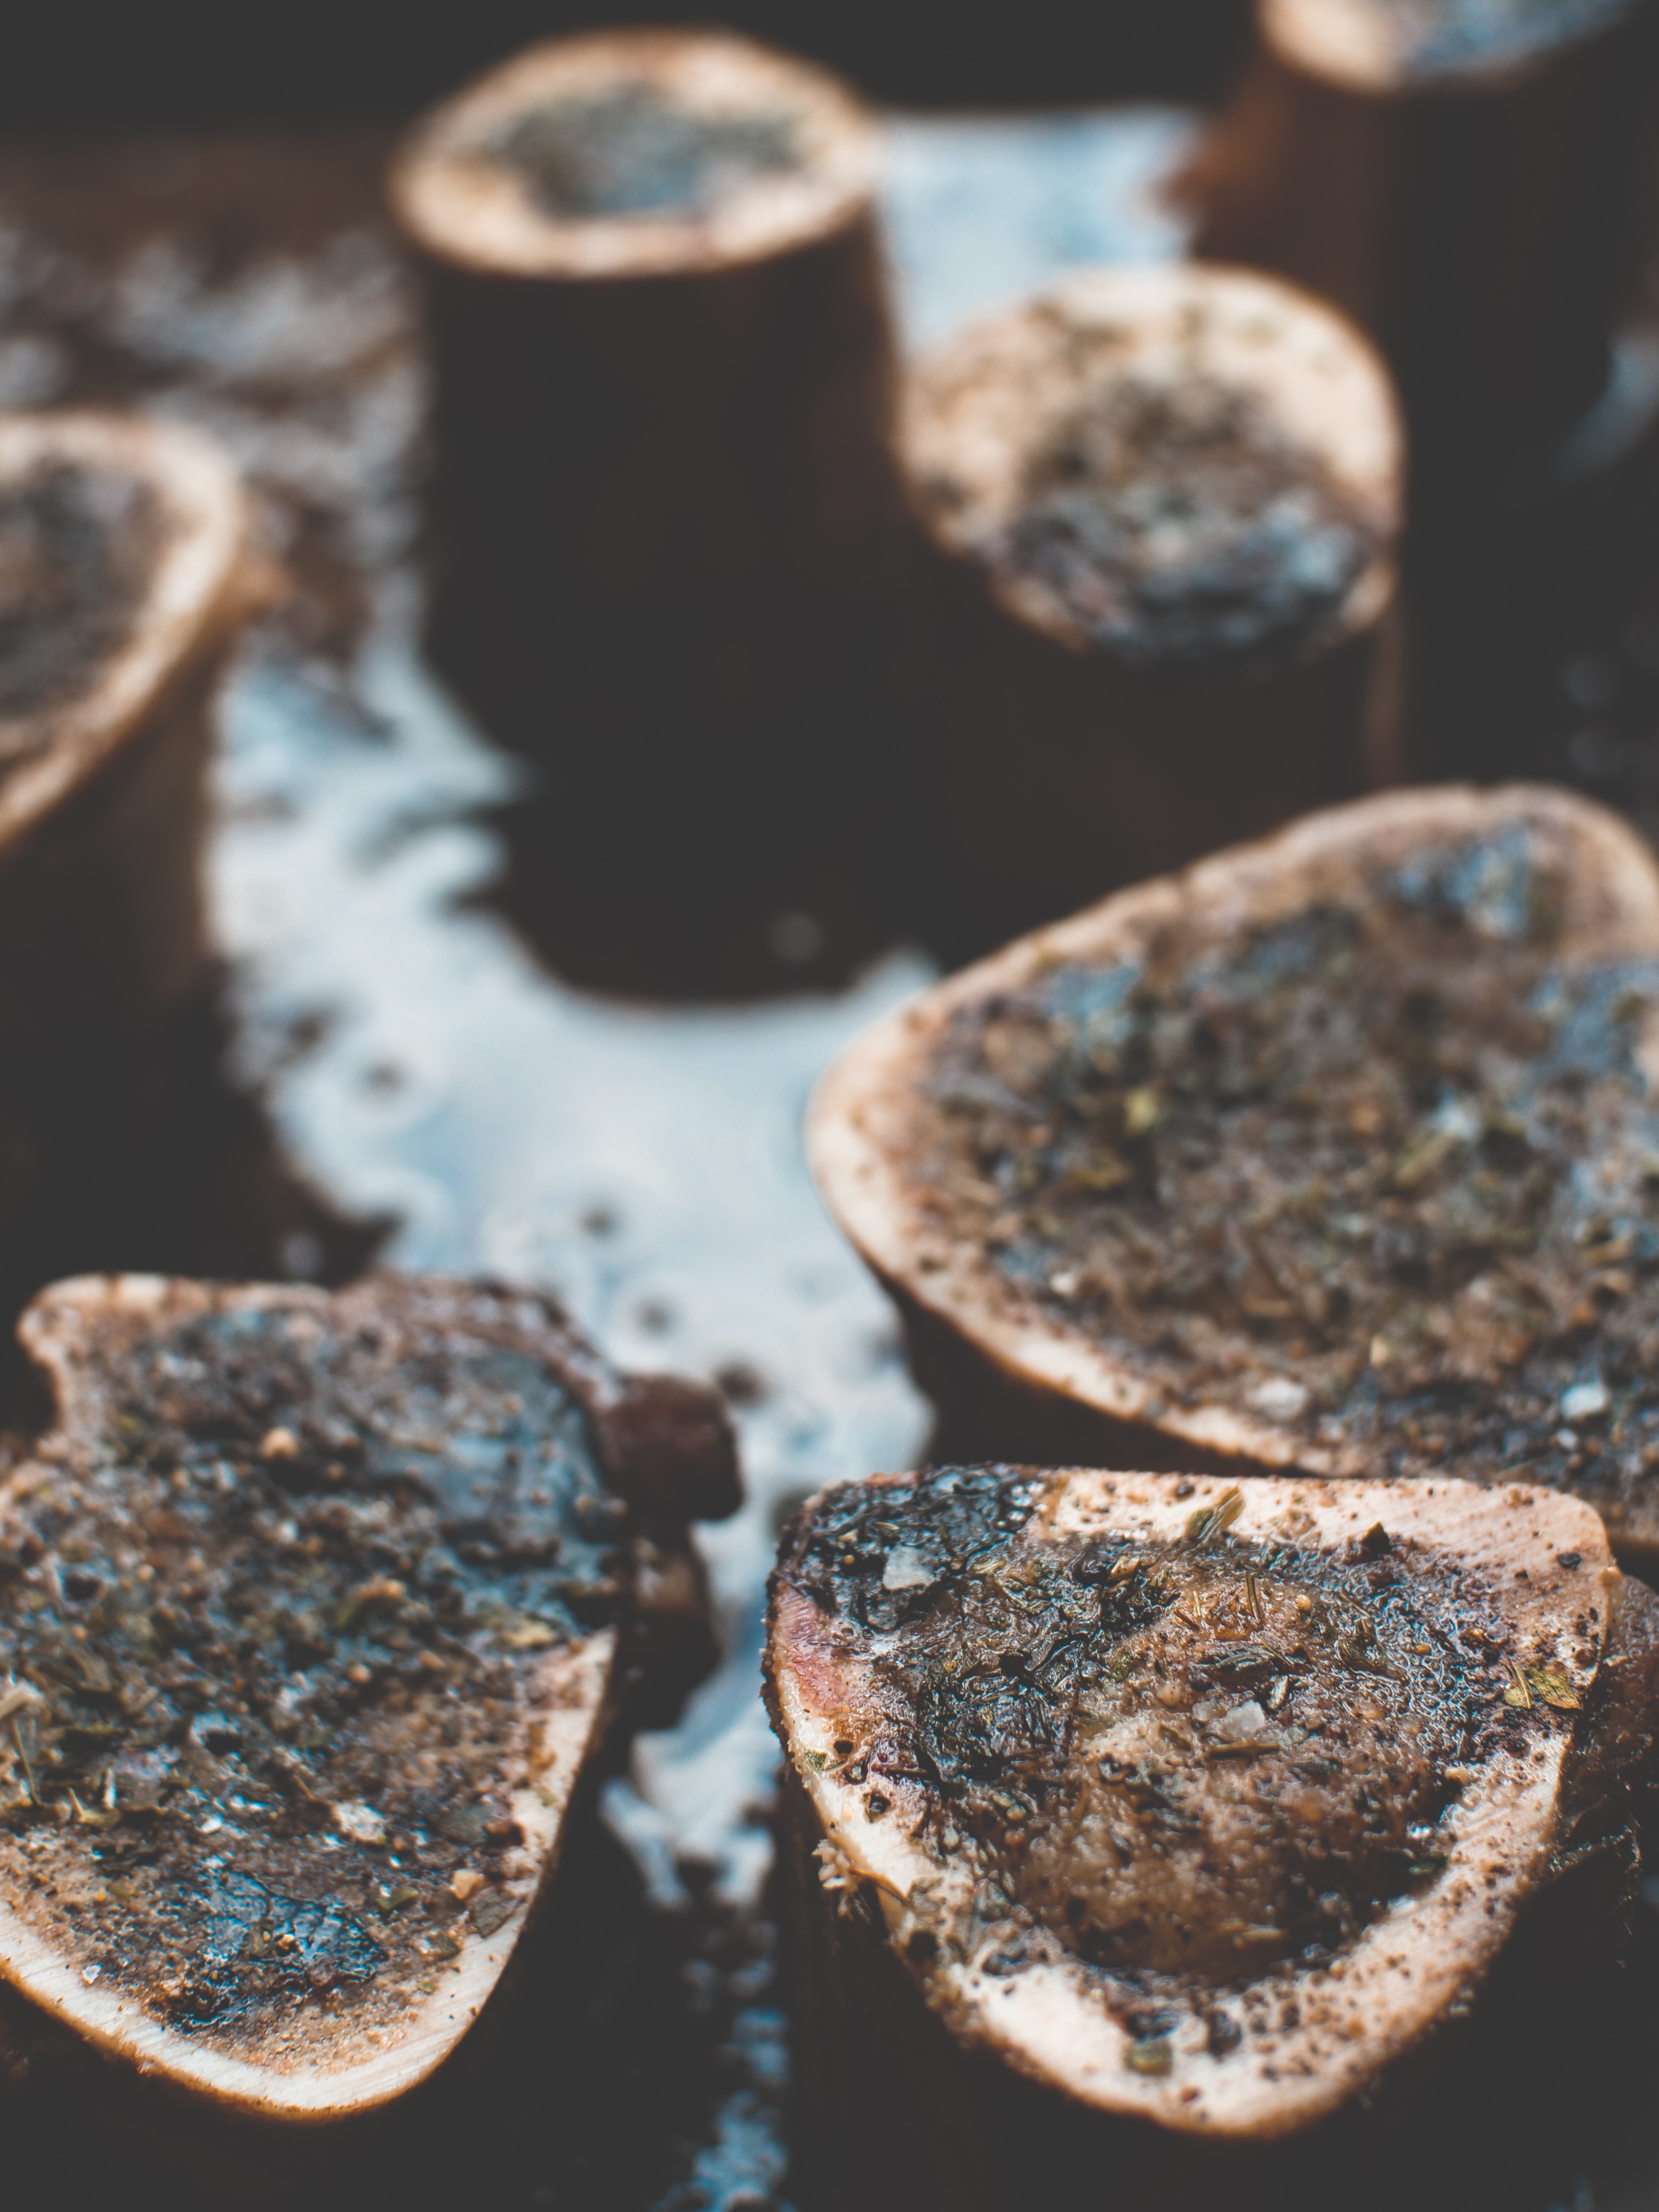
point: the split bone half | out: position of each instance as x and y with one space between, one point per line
1533 1566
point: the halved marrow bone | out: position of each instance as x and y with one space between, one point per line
1338 1152
319 1612
1386 153
1140 1798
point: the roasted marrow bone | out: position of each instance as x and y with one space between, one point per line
1201 1803
317 1610
1337 1152
655 301
126 572
1161 506
634 153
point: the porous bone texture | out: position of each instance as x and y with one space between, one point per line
631 151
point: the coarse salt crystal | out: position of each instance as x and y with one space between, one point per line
1279 1399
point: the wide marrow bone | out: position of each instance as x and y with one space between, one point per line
1337 1152
317 1613
663 380
1186 1802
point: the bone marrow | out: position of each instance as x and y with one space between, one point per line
637 153
122 549
317 1613
1198 1802
76 545
1333 1153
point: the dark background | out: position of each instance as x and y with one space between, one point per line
103 63
679 2028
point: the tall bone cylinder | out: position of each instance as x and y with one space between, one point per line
1465 178
1164 502
127 572
664 506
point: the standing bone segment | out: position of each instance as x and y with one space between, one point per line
663 503
126 576
1464 178
322 1615
1166 502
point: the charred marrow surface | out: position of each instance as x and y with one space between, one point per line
1342 1152
1200 1800
313 1607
